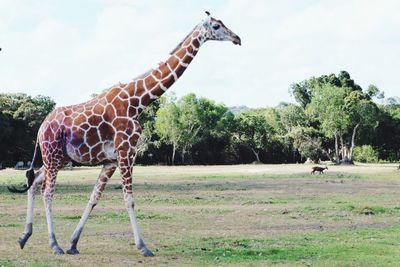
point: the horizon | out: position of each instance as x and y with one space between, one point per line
68 51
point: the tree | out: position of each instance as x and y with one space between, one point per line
168 126
300 133
213 143
362 113
340 108
148 136
385 137
187 122
373 91
328 106
20 118
190 120
293 116
308 142
301 93
253 131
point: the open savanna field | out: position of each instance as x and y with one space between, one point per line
254 215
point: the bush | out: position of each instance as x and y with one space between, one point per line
366 154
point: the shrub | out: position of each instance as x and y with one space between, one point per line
366 154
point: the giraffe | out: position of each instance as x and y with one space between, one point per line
104 131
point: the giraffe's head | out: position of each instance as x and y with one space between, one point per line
214 29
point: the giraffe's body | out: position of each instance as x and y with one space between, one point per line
105 130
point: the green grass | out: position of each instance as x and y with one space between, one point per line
246 215
365 247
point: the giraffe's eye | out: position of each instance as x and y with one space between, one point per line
216 26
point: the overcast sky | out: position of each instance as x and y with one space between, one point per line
70 49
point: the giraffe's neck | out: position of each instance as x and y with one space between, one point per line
154 83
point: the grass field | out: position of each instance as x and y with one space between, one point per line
254 215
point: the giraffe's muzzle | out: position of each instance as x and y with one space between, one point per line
236 40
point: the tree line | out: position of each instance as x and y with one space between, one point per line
333 118
20 119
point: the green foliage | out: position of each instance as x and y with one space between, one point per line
365 153
361 109
301 93
308 142
385 137
292 116
328 106
168 126
373 91
254 131
340 110
20 118
396 114
189 121
333 114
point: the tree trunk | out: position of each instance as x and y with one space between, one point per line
342 149
257 155
326 153
336 148
173 154
183 155
353 143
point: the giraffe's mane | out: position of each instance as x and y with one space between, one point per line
141 76
180 44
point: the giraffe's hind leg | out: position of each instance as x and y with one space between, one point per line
47 192
30 210
104 176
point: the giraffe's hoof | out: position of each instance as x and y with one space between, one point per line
72 251
58 251
146 252
22 240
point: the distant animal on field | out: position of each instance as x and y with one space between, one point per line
19 165
318 169
68 166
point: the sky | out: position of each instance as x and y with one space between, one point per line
69 50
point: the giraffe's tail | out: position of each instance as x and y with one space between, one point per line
30 176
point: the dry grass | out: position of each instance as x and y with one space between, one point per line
216 215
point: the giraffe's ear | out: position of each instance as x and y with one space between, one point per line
207 20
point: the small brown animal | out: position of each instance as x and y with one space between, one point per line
318 169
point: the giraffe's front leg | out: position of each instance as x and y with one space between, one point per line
48 190
126 161
30 210
104 176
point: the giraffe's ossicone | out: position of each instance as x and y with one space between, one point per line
105 131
